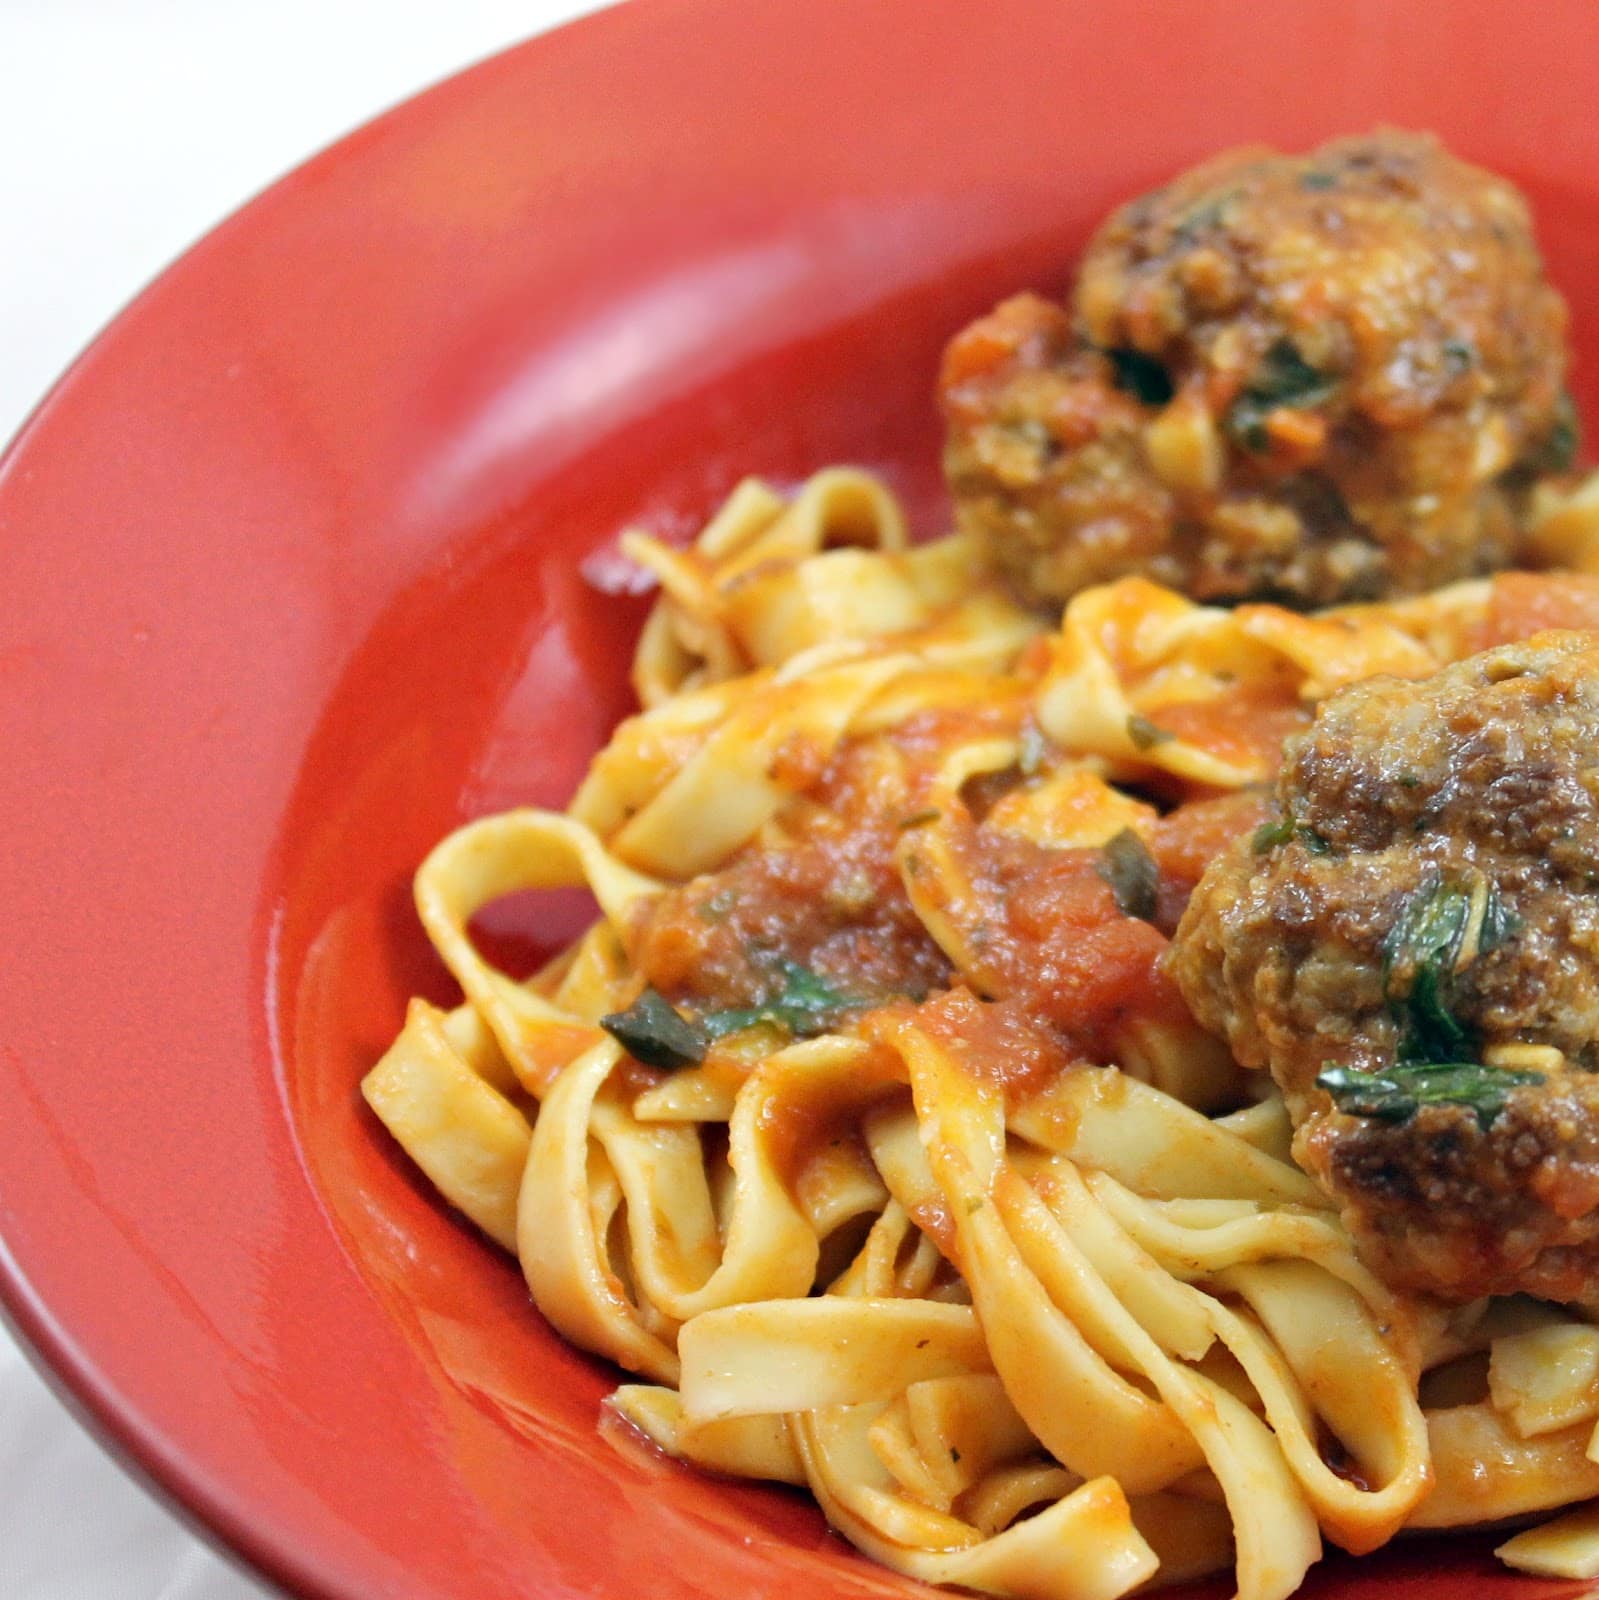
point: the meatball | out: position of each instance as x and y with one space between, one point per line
1412 949
1310 378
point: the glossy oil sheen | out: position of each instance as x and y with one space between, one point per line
296 564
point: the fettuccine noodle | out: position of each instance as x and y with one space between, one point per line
1031 1317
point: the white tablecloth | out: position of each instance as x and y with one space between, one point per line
127 129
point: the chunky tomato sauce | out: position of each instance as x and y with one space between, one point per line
1246 728
1521 604
1058 961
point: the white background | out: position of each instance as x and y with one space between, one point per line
127 129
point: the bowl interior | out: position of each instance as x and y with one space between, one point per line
333 510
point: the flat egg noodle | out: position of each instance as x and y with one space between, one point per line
1054 1344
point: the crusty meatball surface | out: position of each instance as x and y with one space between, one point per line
1412 948
1313 378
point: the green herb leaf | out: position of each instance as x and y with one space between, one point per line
654 1031
1397 1094
806 1005
1317 179
1131 871
1418 960
1271 834
1203 216
1558 452
1141 376
1499 923
1366 1094
1283 378
1433 1065
1144 733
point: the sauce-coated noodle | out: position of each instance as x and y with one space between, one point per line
915 1183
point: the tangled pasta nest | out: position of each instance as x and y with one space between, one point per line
1036 1327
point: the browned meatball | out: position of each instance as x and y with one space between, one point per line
1412 948
1317 378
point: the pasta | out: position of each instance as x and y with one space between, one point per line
1037 1312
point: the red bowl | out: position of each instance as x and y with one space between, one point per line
296 560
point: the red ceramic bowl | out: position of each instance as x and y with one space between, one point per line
295 562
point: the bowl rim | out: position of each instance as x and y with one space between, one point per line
160 1460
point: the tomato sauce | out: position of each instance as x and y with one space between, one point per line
1521 604
1245 728
1059 962
1187 840
997 1044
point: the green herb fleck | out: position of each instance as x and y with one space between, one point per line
1499 923
1418 961
1141 376
654 1031
1283 378
974 1204
1317 179
1144 733
918 819
1558 452
1460 355
1132 873
1433 1065
1271 834
805 1006
1203 216
1398 1093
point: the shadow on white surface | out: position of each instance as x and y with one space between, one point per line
73 1527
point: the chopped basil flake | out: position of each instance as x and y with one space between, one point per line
1558 452
1418 971
1141 376
1203 216
654 1031
1433 1065
1144 733
1132 873
1283 378
1271 834
1396 1094
807 1004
